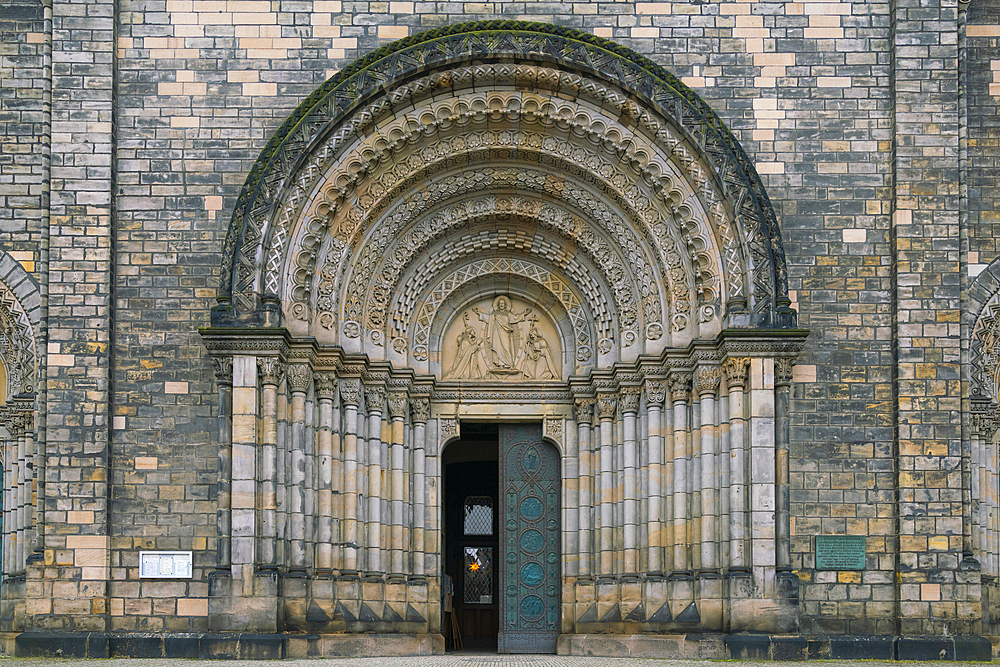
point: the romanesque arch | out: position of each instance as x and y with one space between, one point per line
984 388
19 323
514 221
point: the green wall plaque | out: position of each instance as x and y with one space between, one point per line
840 552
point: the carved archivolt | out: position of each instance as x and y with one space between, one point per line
17 345
588 174
984 351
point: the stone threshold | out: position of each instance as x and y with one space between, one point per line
273 646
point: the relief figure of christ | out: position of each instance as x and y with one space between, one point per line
502 336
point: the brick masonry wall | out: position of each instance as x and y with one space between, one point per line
201 85
22 130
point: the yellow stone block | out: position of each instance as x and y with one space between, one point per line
938 543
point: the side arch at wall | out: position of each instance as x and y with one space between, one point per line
20 306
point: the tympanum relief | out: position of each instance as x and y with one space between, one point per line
501 338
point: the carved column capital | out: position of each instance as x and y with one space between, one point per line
271 370
223 367
420 410
708 381
783 371
584 408
736 371
607 404
299 377
326 385
350 392
680 386
656 392
374 398
629 397
397 404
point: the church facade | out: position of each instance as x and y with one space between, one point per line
646 328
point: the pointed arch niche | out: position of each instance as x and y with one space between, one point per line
586 231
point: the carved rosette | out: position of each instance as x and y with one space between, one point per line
448 428
607 404
299 377
397 405
420 410
326 386
350 392
554 428
656 392
584 409
223 367
736 371
680 386
783 371
708 381
270 369
629 400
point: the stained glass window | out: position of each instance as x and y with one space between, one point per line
478 515
479 575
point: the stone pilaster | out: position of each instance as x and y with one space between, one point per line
925 333
80 319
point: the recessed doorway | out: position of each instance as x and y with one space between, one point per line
471 542
502 537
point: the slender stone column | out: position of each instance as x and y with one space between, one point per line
680 394
337 480
270 369
22 490
374 402
724 459
694 481
30 480
607 404
761 472
11 423
283 463
584 420
299 379
397 415
419 413
708 384
782 524
326 387
223 486
350 396
246 406
655 394
736 377
630 490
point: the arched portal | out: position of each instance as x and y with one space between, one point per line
505 221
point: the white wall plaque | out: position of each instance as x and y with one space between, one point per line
165 564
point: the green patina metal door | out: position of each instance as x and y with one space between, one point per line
529 569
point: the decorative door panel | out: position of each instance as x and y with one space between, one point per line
529 569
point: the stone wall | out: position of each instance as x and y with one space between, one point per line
849 110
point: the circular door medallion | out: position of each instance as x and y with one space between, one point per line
532 607
531 508
532 574
532 541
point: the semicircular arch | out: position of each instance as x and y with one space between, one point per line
576 56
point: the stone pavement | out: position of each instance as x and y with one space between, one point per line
455 660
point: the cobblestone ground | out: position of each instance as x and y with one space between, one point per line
460 660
